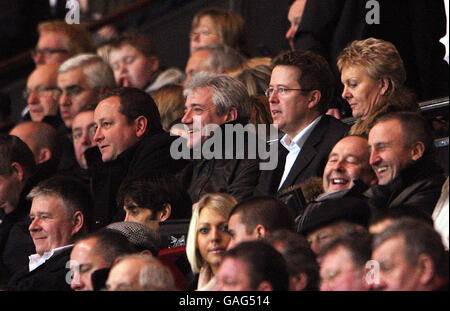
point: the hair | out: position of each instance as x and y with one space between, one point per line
135 103
222 58
420 238
314 73
380 60
260 111
88 107
266 211
221 203
380 214
414 128
358 244
171 76
74 194
263 262
98 73
227 92
298 255
256 79
154 275
13 149
229 26
155 193
170 102
78 39
139 41
109 244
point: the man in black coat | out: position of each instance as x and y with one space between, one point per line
299 93
403 158
58 215
130 144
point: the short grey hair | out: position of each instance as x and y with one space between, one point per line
99 73
222 58
227 92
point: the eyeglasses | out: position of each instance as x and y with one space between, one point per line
283 91
198 33
47 51
43 91
90 132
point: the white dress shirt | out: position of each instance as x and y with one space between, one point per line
294 147
36 260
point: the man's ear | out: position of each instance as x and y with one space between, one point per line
77 222
299 281
141 125
265 286
260 232
384 85
417 150
426 266
165 213
44 155
314 99
17 169
231 115
154 63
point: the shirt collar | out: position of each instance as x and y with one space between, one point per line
36 260
300 138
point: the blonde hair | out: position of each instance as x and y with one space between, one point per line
78 39
229 26
220 202
170 102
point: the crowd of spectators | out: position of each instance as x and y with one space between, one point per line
233 174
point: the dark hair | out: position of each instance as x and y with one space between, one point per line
88 107
139 41
134 103
298 255
359 245
420 238
73 192
264 263
266 211
155 192
109 244
13 149
380 214
414 128
314 73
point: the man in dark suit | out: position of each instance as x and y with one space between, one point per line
58 215
300 90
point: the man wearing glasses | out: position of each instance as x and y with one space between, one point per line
300 91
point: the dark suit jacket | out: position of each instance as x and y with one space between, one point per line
310 162
51 275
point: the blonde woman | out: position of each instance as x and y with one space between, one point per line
208 237
373 75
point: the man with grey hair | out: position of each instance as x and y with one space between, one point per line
82 79
214 58
213 101
139 272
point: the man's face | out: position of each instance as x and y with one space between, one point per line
396 273
51 48
43 93
114 133
338 273
388 154
10 188
349 160
197 62
204 34
131 67
233 276
294 17
84 260
199 105
288 111
124 275
50 226
83 131
140 215
76 93
238 231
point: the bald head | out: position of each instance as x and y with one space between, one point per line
198 61
40 137
349 160
42 92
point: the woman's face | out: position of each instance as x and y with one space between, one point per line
212 236
204 34
360 91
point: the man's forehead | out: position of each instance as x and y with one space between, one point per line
351 145
51 39
71 77
107 107
390 248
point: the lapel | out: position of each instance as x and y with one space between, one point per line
307 153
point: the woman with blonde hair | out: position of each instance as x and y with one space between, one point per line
170 102
208 236
373 75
